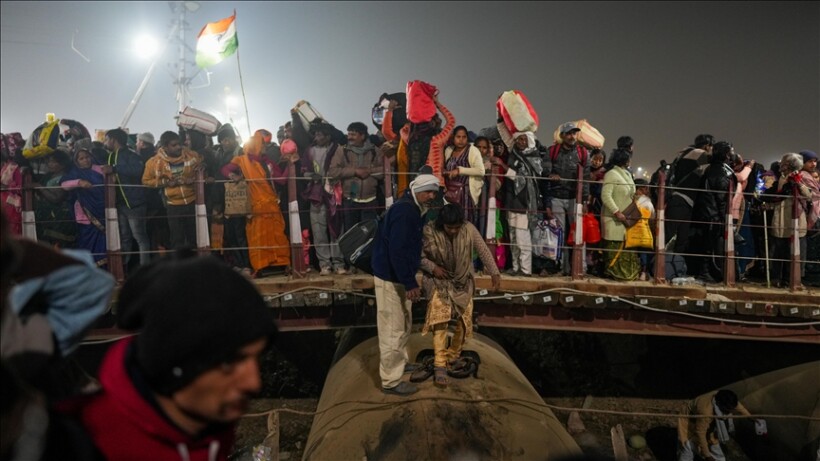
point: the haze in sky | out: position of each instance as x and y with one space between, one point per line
661 72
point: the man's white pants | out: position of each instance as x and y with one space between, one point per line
520 242
393 319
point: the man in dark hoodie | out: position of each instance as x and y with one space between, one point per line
396 258
177 389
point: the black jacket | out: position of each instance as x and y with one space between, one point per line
711 204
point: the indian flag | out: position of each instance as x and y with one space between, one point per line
216 41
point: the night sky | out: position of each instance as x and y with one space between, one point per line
661 72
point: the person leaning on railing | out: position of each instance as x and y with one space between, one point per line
782 194
174 169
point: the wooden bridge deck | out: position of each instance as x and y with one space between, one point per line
558 303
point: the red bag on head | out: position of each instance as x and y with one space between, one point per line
420 105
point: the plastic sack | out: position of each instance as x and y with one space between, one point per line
517 112
589 135
420 105
592 229
547 236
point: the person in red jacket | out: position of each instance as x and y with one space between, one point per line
177 389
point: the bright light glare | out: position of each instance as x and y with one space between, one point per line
146 46
231 101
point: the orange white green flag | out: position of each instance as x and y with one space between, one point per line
216 41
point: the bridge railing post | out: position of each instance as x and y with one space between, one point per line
388 183
296 257
28 218
578 244
660 235
203 238
491 207
794 269
112 229
729 273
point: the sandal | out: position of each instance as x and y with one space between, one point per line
464 366
423 372
440 377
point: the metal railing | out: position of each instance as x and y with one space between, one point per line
487 205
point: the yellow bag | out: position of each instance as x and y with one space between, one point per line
640 235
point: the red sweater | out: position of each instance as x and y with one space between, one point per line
125 427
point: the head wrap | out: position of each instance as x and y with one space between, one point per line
530 138
423 183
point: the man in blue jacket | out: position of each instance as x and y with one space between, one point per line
396 259
132 209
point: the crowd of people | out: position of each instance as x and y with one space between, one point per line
341 181
177 391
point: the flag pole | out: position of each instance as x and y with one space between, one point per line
242 86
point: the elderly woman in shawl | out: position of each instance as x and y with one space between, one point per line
86 181
447 268
268 246
522 199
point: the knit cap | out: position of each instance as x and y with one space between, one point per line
193 314
146 137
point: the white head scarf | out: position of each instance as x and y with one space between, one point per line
423 183
530 138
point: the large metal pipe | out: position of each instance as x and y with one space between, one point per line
496 415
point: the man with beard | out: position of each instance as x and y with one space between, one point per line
396 258
561 169
174 170
360 167
177 390
235 239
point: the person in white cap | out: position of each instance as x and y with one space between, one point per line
396 257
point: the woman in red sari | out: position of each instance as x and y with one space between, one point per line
267 245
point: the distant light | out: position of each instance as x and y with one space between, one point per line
231 101
146 46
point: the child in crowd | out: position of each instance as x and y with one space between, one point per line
643 200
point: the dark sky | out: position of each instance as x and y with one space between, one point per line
661 72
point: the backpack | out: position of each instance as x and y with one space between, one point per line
356 244
583 153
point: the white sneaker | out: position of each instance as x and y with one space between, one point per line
341 271
324 271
